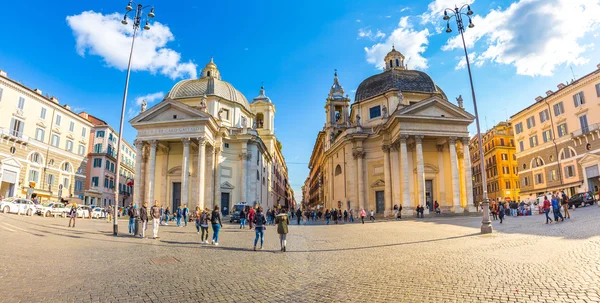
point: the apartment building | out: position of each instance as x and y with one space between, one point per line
558 139
101 167
500 164
43 145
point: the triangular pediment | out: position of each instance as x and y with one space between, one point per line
170 110
378 183
589 158
227 185
11 162
435 107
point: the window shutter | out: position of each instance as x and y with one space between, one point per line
12 125
575 100
1 90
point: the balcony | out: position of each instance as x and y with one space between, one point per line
17 136
585 130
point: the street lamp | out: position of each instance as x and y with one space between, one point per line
137 20
458 14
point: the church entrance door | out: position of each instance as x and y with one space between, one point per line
225 204
379 202
176 196
429 194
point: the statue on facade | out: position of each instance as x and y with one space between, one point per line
337 117
243 122
400 98
144 105
203 103
220 113
459 100
385 112
357 120
254 125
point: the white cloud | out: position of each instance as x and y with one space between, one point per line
410 42
435 10
379 35
535 36
462 61
364 33
105 36
150 98
358 20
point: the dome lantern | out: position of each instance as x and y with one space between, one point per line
210 70
394 60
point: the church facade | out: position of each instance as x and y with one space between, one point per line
204 144
401 142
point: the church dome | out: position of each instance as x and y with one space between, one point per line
209 84
396 77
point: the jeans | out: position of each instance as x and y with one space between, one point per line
204 234
513 212
283 240
557 214
185 220
547 212
259 233
143 231
132 225
216 228
242 222
155 224
178 221
197 227
327 220
352 219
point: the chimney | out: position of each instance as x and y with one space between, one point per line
84 115
560 85
598 66
549 92
539 98
66 106
3 73
54 99
39 91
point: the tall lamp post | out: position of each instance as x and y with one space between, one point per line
458 14
137 20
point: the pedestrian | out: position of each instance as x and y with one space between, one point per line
90 214
546 207
144 219
351 215
494 209
395 210
197 213
565 205
259 227
243 218
556 209
132 212
251 214
109 212
420 211
501 212
204 218
436 205
155 213
399 211
372 216
363 214
282 221
179 215
299 215
215 219
327 216
345 215
269 216
73 214
186 214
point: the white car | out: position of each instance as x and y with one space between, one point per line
16 205
97 213
83 211
53 208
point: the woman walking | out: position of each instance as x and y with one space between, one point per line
327 216
556 209
203 222
167 213
197 214
72 214
243 218
363 214
215 219
501 212
179 214
259 227
282 222
546 208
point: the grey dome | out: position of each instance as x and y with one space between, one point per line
396 79
196 88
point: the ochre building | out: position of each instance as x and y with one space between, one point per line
400 142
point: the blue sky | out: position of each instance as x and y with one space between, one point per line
77 51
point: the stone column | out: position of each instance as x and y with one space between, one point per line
395 171
420 172
455 182
243 161
468 177
137 195
359 155
441 176
185 172
201 170
217 174
406 207
209 195
387 179
152 170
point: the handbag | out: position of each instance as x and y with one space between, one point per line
264 227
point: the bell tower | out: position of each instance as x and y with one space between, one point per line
394 60
210 70
336 108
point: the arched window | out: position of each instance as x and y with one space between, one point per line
567 153
391 64
66 167
260 120
208 73
397 62
36 158
338 170
537 162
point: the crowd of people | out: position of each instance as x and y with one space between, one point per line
555 203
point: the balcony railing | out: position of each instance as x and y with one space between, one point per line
585 130
14 134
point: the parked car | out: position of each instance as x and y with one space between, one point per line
83 211
237 209
17 205
53 208
582 199
97 213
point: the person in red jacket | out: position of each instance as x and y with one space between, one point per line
546 207
251 215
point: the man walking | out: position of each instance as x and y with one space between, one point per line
186 213
565 205
155 212
299 215
144 219
132 212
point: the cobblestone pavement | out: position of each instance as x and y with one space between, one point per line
432 260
